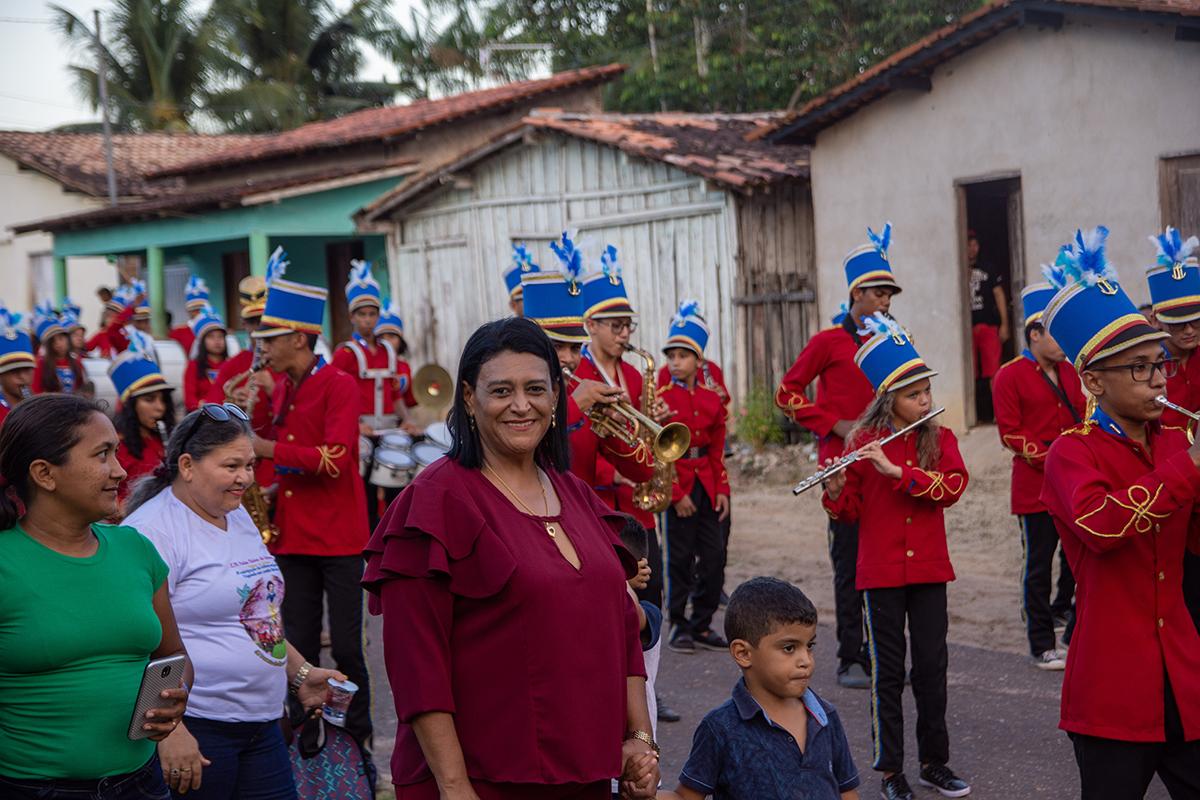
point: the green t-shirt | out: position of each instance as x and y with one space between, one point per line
75 637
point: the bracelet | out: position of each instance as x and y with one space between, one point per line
642 736
301 677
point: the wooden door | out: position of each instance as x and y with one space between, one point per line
234 267
338 256
1179 193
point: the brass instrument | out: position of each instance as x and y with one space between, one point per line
845 461
667 442
1192 415
655 494
433 387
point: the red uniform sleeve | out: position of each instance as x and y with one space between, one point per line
848 505
116 336
333 455
98 341
790 395
716 453
942 486
344 360
1104 516
634 462
1006 400
418 615
193 394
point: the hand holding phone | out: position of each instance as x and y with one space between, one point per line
161 699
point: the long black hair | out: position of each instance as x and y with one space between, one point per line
200 362
44 427
509 335
130 430
50 380
194 435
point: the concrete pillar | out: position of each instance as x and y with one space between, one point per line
156 284
258 253
61 289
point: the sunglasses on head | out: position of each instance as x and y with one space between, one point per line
217 412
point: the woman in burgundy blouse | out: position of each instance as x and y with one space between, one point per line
511 642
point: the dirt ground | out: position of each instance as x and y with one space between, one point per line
775 533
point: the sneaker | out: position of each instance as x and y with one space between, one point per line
854 677
682 642
665 712
711 640
940 777
896 788
1051 660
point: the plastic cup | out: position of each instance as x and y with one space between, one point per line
337 701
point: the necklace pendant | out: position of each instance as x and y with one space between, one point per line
551 529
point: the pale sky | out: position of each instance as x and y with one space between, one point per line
36 89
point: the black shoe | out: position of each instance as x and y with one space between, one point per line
1060 622
895 788
854 676
665 712
711 640
940 777
682 642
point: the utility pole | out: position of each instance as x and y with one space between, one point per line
103 83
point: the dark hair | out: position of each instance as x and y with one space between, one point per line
508 335
194 435
50 381
200 362
130 430
1034 326
635 538
760 605
44 427
311 339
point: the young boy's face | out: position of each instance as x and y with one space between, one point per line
1125 384
782 661
365 319
682 363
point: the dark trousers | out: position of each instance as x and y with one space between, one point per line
310 581
1039 541
146 783
847 600
1110 769
1063 604
250 761
885 610
695 546
653 592
1191 585
372 491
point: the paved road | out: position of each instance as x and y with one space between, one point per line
1003 717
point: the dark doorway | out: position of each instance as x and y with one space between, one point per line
993 214
234 267
338 256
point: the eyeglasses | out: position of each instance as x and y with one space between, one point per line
1142 371
618 325
1179 327
217 412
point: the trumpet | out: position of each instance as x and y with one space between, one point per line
669 442
845 461
1163 401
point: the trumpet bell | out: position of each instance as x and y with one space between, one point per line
433 387
671 442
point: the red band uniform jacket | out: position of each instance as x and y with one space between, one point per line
843 391
1125 515
901 526
1030 415
709 376
399 387
1184 390
260 415
589 451
321 507
154 452
703 412
197 388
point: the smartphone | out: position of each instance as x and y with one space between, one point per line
160 674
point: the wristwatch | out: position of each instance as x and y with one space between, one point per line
642 736
301 677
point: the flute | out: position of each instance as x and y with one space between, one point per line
828 472
162 432
1163 401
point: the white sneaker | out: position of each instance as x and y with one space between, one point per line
1051 660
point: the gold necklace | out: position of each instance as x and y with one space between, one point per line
551 528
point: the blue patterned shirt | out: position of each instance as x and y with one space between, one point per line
738 753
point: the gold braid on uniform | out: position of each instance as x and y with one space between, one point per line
330 455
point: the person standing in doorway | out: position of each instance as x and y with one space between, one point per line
989 324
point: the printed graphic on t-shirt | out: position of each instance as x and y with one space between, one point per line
66 379
261 601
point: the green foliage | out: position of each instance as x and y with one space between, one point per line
758 421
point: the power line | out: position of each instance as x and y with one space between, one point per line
27 21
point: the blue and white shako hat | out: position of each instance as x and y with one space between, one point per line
389 319
207 320
554 298
604 291
135 372
1034 299
69 306
16 347
1090 316
291 307
363 289
687 329
888 358
867 265
195 294
46 323
522 264
1175 278
141 295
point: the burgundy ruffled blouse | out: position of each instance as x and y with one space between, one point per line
485 619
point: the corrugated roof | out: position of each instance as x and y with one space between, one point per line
912 66
393 121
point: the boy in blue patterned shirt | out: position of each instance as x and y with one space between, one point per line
750 747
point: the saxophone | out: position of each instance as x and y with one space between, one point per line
254 500
655 494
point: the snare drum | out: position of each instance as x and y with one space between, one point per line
396 440
365 449
425 453
439 434
394 469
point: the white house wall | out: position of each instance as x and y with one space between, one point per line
447 253
1083 115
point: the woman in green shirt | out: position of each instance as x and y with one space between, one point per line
83 608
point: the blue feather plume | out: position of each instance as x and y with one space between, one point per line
140 344
196 285
1085 261
840 316
70 305
360 273
569 256
881 240
9 321
523 259
688 309
277 264
609 264
1172 248
879 324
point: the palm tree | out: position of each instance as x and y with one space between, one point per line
155 64
281 63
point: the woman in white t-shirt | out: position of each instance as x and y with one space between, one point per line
227 593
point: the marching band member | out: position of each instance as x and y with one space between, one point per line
898 492
134 312
390 331
1175 294
16 362
700 493
843 393
58 369
1122 490
71 313
209 352
522 263
1036 396
709 374
196 301
146 414
321 509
